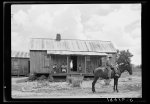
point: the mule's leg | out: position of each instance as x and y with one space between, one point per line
117 84
93 83
114 84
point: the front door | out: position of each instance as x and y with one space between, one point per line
73 63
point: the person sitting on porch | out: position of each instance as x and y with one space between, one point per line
54 68
80 68
63 68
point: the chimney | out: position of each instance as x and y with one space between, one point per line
58 37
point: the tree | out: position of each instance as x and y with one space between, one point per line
124 57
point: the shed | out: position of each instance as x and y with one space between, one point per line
78 56
20 63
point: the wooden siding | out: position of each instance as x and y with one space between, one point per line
37 62
19 66
92 63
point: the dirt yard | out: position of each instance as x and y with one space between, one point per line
129 87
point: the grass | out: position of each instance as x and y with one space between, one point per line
134 87
135 71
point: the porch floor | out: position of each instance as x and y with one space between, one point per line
72 73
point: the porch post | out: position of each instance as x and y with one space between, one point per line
67 64
50 64
85 64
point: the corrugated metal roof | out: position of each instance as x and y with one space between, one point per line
75 53
20 54
72 45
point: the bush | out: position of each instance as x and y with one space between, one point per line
32 77
43 77
69 80
50 78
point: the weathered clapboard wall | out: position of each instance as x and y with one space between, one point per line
37 64
92 62
20 66
20 63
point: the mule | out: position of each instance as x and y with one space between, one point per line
102 72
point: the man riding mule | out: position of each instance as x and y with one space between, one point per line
110 67
114 72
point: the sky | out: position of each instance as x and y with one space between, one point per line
118 23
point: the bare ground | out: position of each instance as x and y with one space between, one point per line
129 87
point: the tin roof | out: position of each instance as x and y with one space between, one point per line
20 54
68 45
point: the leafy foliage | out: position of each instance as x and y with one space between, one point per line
50 78
32 77
42 77
124 57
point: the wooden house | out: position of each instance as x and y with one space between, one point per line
20 63
79 56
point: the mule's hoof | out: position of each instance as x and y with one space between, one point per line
117 91
93 91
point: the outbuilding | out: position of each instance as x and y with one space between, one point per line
68 56
20 63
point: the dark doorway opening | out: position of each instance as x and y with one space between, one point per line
74 62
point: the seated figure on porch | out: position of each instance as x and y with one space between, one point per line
80 68
63 68
54 68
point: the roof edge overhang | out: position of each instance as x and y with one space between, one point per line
56 52
76 51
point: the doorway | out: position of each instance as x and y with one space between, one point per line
74 63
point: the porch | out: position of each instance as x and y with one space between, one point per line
72 74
